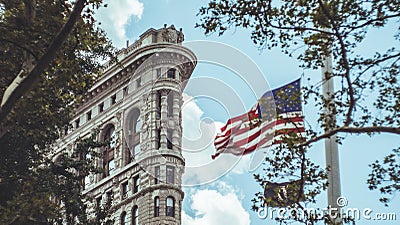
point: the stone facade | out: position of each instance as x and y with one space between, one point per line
137 104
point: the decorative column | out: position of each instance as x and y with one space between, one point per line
176 134
164 119
152 105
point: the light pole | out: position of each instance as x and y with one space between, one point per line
331 145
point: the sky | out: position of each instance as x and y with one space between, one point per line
231 74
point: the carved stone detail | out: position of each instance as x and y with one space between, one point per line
171 35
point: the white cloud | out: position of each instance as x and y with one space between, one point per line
116 16
214 207
198 146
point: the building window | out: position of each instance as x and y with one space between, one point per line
170 104
86 182
110 136
111 167
136 149
158 138
77 122
170 175
124 221
89 115
134 128
158 100
158 72
135 215
138 125
125 91
169 138
136 184
156 206
98 201
101 107
170 207
109 197
138 82
124 190
171 73
108 153
156 174
113 99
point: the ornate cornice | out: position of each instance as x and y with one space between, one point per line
176 55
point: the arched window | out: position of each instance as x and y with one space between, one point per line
135 215
156 206
110 136
124 221
170 206
108 153
134 128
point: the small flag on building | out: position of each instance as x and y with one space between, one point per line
283 194
277 113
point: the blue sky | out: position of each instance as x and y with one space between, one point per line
226 200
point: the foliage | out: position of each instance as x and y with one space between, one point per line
367 99
28 179
102 213
386 176
50 192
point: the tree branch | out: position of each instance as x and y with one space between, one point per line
372 21
373 64
23 84
265 10
20 46
352 130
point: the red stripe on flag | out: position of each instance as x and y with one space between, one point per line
233 120
239 145
252 137
247 128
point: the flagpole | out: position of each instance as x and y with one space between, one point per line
331 145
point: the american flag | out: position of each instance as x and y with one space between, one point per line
277 113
